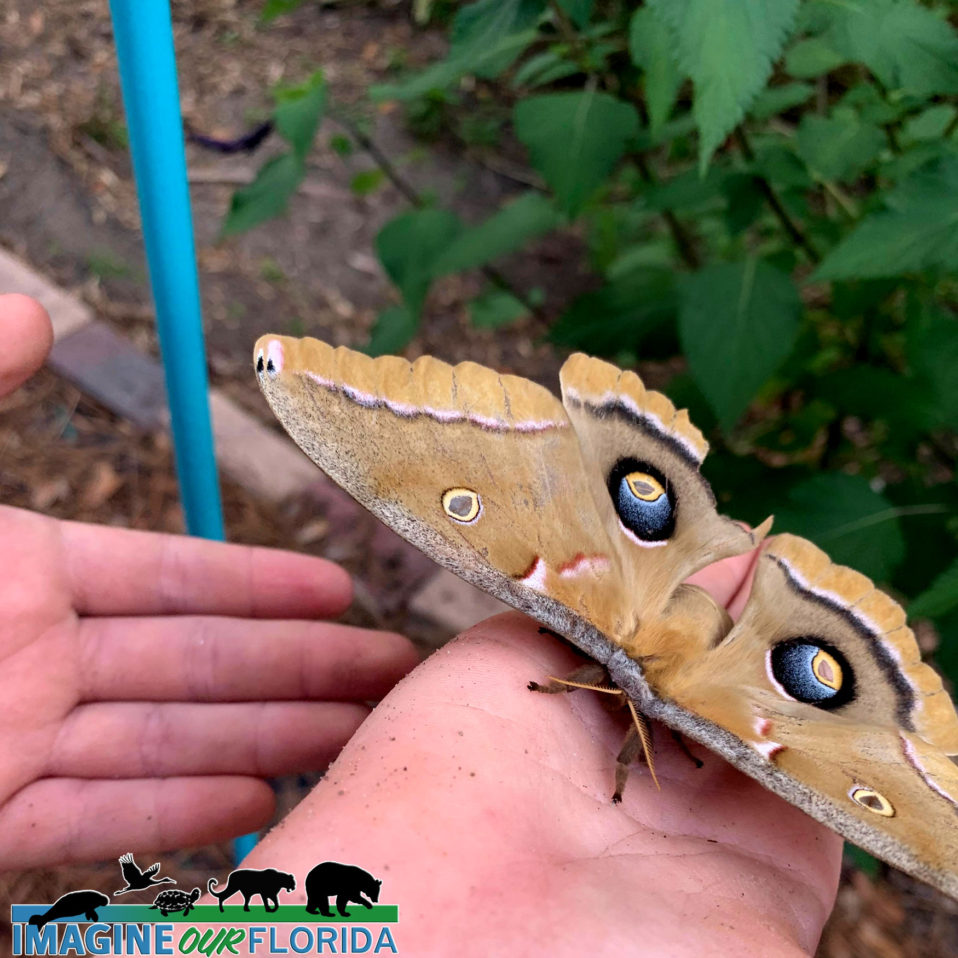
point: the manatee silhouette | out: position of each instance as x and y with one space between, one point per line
72 904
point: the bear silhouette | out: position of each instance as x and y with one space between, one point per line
72 904
265 882
345 883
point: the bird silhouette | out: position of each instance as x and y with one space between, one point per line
137 880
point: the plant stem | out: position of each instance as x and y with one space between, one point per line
771 197
415 199
571 36
680 235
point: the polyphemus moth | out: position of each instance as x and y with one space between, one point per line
588 514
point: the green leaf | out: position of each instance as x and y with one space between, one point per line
930 124
744 201
918 230
686 191
579 11
811 58
495 308
737 323
531 215
777 99
620 314
907 46
843 515
932 347
408 246
728 48
544 68
266 197
650 46
838 147
393 330
575 140
275 8
940 597
367 181
298 112
487 36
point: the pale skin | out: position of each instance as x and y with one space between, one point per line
484 808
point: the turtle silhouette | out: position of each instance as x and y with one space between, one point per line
137 880
175 900
72 904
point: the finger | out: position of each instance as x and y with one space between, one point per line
216 659
139 740
56 821
723 579
27 338
126 572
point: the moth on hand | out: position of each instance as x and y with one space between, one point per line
589 514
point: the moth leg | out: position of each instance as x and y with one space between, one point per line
590 676
683 745
638 740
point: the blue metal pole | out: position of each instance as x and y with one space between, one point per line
143 33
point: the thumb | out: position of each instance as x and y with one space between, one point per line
27 338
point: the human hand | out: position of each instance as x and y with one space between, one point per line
485 810
149 683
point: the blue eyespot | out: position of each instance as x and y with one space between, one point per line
643 500
812 672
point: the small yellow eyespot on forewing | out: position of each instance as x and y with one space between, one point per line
645 487
462 505
872 800
827 670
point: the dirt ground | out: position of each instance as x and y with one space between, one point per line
67 205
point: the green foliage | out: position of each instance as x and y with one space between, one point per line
575 140
766 197
737 322
728 48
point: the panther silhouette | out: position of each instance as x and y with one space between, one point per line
265 882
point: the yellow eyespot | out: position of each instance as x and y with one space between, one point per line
827 670
463 505
872 800
644 487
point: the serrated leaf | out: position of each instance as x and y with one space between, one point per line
393 330
843 515
487 36
918 230
650 46
737 323
838 147
267 196
495 308
531 215
728 48
299 111
620 314
575 140
408 246
907 46
940 597
810 58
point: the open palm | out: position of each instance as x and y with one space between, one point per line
485 810
149 683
